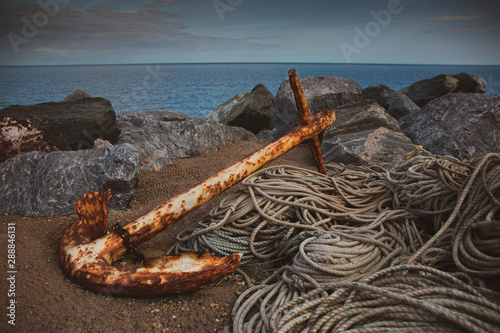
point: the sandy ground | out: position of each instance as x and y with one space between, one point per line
47 301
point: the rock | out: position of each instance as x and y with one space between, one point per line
322 93
468 83
180 135
76 95
248 110
364 134
20 135
426 90
362 116
460 125
100 143
269 135
380 146
40 183
157 161
71 125
401 105
380 93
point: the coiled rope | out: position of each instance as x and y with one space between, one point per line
277 203
339 233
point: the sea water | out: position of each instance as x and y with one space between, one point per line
196 89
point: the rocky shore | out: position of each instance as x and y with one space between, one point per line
52 153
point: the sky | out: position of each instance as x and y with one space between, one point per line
67 32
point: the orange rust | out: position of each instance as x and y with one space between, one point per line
87 253
306 117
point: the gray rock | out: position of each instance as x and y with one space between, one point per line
71 125
362 116
364 134
76 95
426 90
468 83
460 125
251 111
19 136
180 135
401 105
380 93
268 135
322 93
39 183
380 146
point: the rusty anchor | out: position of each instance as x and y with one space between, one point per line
88 252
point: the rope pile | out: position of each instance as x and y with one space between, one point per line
277 203
396 299
352 239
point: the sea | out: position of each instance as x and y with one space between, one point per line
196 89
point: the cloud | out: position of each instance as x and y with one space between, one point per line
98 26
454 18
102 32
475 29
55 51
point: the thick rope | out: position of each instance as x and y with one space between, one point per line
340 232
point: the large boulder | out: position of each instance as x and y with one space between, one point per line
359 117
74 124
380 146
380 93
20 135
468 83
179 135
426 90
322 93
248 110
460 125
364 134
401 105
40 183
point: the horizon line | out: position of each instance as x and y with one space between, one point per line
247 63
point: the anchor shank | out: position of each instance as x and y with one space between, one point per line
164 215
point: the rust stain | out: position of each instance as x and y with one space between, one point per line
87 253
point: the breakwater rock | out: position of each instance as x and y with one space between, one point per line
322 93
180 135
364 134
461 125
41 183
72 124
251 111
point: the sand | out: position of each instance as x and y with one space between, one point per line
47 301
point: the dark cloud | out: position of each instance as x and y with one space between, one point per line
98 26
104 31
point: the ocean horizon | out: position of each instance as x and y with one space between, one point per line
197 88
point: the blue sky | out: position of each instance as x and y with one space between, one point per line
49 32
